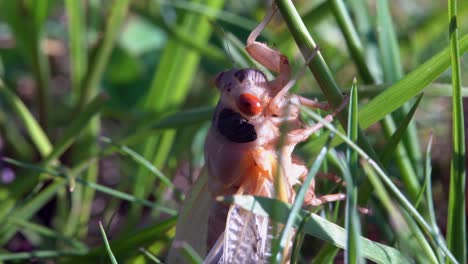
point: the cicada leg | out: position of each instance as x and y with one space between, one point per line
268 57
300 135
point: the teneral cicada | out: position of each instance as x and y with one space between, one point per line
242 153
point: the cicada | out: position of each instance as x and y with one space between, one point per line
243 155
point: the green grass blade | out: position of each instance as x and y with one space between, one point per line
456 220
126 245
353 42
190 254
429 198
47 232
150 256
352 224
28 209
317 227
142 161
406 235
392 72
75 127
211 12
391 63
37 134
77 46
106 243
207 50
99 62
397 136
28 34
40 254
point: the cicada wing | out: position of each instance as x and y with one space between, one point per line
246 239
192 224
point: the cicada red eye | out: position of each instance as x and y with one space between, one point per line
249 104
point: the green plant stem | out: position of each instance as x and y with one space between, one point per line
317 65
321 71
456 222
353 42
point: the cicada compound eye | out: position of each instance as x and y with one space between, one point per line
249 104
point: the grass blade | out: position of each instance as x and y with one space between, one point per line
397 136
106 243
138 158
37 134
456 221
77 46
352 224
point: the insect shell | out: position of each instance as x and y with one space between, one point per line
241 150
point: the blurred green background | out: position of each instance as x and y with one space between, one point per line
80 81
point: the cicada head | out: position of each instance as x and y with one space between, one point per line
244 91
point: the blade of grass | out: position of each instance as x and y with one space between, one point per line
456 220
28 34
407 155
406 235
397 136
28 209
47 232
37 134
429 198
100 60
75 127
353 42
106 244
211 12
127 244
207 50
39 254
352 224
150 256
138 158
90 86
78 49
190 254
